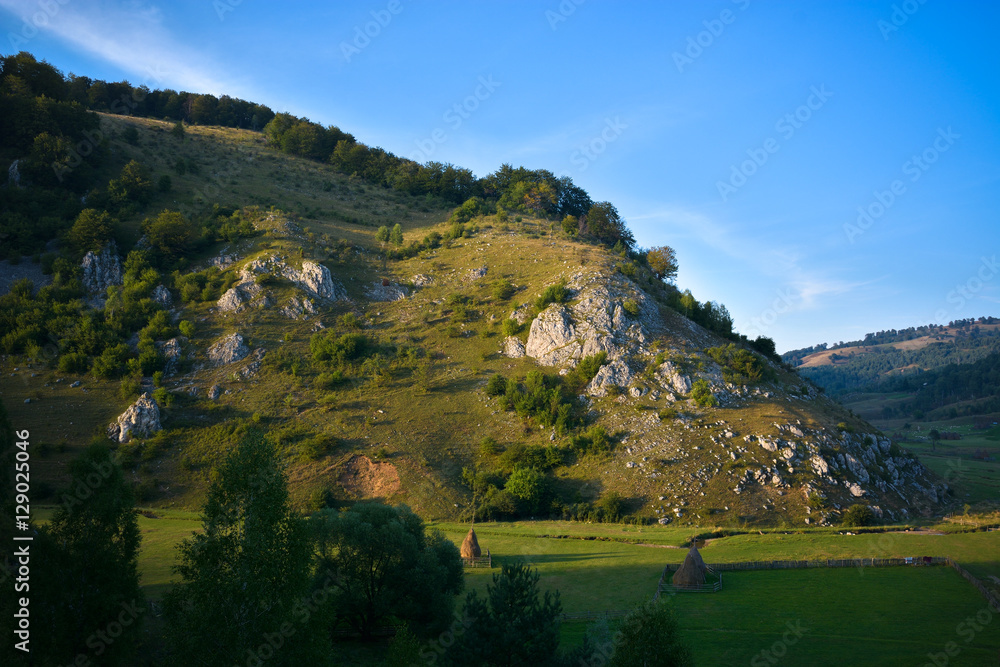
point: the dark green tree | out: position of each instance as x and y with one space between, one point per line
514 625
649 637
87 598
606 225
245 577
396 235
170 233
91 230
132 185
386 566
662 261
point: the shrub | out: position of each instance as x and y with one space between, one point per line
74 362
496 386
510 327
858 515
528 486
739 365
503 289
329 380
327 346
186 328
112 361
350 321
489 446
631 307
702 394
553 294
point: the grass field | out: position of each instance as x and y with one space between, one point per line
852 616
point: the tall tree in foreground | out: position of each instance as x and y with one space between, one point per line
663 262
86 596
514 625
649 637
383 565
245 579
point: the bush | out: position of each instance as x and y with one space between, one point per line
74 362
528 486
489 446
631 307
350 321
510 327
503 289
186 328
329 380
553 294
739 365
327 346
112 361
496 386
702 394
858 515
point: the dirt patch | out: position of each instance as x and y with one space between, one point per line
362 477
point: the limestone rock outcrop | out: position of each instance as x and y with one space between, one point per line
141 419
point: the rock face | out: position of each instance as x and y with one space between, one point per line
171 351
312 278
228 350
161 296
102 270
14 175
299 309
141 419
595 321
316 279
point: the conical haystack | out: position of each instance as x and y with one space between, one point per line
470 545
691 573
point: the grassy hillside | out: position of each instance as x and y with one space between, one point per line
403 418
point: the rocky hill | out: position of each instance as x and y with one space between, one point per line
375 375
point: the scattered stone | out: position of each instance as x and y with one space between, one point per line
421 280
299 308
141 419
214 392
378 291
76 384
476 274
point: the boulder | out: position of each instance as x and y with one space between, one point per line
513 347
552 340
316 279
421 280
228 350
299 308
14 175
379 291
171 351
102 270
161 296
141 419
612 374
671 378
214 392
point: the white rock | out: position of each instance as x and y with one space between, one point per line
102 270
513 347
228 350
141 419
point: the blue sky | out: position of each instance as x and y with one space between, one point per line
751 136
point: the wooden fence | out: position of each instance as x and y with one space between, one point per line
482 561
830 562
590 615
667 586
991 597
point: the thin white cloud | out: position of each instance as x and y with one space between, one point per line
133 39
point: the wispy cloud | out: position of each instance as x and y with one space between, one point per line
135 39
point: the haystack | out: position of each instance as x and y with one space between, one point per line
470 545
691 573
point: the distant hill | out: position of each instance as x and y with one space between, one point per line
848 367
